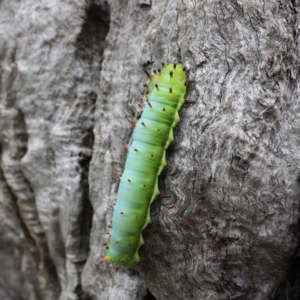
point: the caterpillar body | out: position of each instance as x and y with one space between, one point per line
146 159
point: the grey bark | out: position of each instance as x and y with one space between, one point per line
71 74
50 53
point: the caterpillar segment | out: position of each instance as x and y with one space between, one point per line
146 159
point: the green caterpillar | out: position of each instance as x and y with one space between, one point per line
145 161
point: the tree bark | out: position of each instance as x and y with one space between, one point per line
70 82
50 54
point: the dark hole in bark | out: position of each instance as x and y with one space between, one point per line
91 40
149 296
294 277
290 288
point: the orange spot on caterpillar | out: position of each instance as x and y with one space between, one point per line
104 259
126 147
118 176
156 86
112 206
141 106
133 122
171 74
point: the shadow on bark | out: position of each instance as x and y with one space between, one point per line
149 296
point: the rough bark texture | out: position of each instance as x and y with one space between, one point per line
50 55
71 73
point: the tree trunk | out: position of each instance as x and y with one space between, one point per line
70 82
